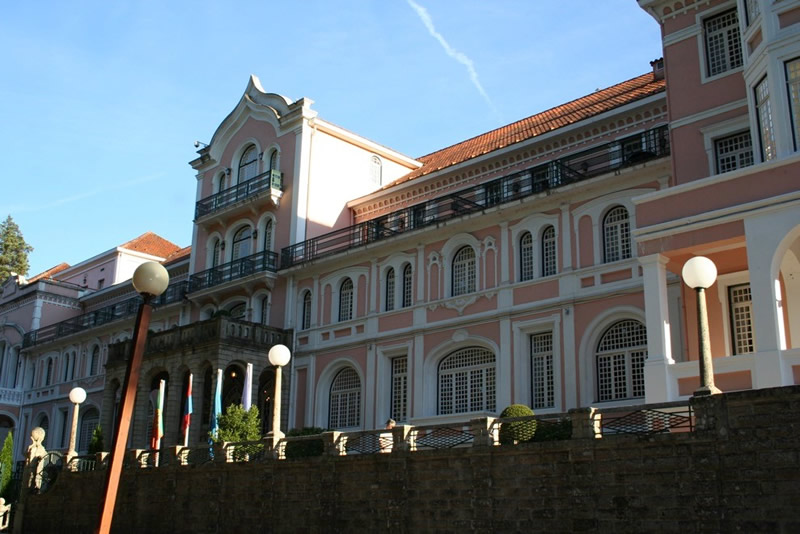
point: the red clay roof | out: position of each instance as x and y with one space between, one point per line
552 119
49 272
178 255
153 244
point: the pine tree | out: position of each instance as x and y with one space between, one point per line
13 250
6 464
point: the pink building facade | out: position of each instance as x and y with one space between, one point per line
538 263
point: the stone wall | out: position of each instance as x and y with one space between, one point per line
738 472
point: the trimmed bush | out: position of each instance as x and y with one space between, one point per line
304 449
517 431
554 431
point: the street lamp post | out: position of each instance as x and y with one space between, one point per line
278 356
76 397
699 273
150 279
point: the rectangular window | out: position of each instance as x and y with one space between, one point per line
400 389
101 283
793 86
723 45
741 311
766 128
542 381
733 152
64 423
753 10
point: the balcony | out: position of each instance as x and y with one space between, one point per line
10 397
218 330
269 181
114 312
264 261
608 157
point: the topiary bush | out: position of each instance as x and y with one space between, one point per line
304 449
517 431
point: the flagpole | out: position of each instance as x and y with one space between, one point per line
187 414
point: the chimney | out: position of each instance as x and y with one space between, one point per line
658 68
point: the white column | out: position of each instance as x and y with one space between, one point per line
566 243
658 385
763 235
567 355
504 374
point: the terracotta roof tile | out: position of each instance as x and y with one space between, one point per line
153 244
178 255
49 272
577 110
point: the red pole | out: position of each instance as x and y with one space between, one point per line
125 414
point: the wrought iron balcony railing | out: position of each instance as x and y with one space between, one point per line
270 180
113 312
217 330
264 261
595 161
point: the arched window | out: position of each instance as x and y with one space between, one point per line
620 358
67 362
238 311
44 424
220 183
526 257
94 362
376 169
248 164
616 235
241 243
306 323
407 287
268 235
549 251
232 386
390 289
346 300
215 254
89 421
467 381
49 376
265 309
345 400
273 161
463 281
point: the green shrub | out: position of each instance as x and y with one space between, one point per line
517 431
96 444
304 449
555 431
6 464
237 425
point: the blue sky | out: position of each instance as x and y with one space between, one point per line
101 101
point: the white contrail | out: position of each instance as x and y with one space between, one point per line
450 51
42 206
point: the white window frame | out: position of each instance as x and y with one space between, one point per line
619 240
389 289
464 262
794 111
306 301
488 406
360 399
407 289
711 134
342 304
724 283
523 387
768 148
702 43
383 387
448 253
627 352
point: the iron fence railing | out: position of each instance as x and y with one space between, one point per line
647 420
480 432
266 181
264 261
639 148
113 312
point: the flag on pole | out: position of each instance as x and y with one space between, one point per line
158 419
214 427
187 413
248 388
